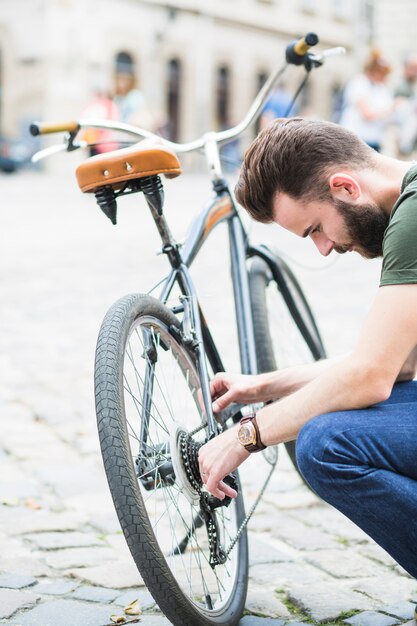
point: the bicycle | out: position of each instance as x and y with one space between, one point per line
154 363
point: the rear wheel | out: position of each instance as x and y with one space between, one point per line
285 330
151 426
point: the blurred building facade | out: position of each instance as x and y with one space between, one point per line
199 63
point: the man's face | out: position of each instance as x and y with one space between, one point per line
334 225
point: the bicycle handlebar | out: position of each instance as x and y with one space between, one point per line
46 128
297 53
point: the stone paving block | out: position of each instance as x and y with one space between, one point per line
11 547
79 557
302 536
154 620
117 541
387 589
42 521
277 575
72 539
69 478
340 564
55 587
18 489
64 613
371 618
325 601
115 575
376 553
12 600
30 565
264 519
143 596
107 523
91 502
331 521
95 594
265 603
16 581
253 620
261 551
403 610
294 499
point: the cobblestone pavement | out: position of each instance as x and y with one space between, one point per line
63 561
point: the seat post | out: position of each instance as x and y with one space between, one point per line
154 193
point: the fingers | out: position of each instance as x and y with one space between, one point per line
219 489
223 401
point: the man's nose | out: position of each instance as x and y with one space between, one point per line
324 244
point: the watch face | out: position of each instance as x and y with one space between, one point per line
246 434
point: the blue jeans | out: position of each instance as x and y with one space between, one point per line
364 463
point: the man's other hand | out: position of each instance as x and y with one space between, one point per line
227 388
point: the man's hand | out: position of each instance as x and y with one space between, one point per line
227 388
218 458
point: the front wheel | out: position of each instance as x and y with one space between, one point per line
151 426
285 331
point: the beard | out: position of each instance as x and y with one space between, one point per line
365 225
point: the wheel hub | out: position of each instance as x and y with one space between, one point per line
184 458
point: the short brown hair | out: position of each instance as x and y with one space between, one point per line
295 156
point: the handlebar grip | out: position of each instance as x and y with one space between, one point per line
296 50
45 128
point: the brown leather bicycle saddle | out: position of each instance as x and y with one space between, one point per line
117 167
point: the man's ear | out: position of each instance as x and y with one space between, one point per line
344 187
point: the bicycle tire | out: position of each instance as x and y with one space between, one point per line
269 338
140 335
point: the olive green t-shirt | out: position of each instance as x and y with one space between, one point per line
400 240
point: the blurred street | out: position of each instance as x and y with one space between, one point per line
63 559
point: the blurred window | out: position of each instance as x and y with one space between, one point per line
368 19
261 77
308 5
1 92
223 97
341 9
174 99
125 63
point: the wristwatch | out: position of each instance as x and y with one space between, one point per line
248 434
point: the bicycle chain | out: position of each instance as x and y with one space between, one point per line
189 455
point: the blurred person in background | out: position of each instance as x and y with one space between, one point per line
276 106
368 103
132 105
101 107
406 106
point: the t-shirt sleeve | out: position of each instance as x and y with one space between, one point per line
400 244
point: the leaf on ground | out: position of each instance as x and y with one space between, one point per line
133 608
120 619
30 503
10 502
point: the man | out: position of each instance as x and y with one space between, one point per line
356 428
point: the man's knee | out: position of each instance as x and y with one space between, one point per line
318 451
